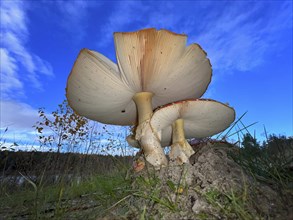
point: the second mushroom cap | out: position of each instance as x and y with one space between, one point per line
202 118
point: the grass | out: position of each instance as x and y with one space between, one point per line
267 166
232 205
150 190
92 197
115 194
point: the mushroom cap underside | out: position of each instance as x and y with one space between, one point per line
148 61
202 118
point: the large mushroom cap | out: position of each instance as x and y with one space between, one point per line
202 118
148 61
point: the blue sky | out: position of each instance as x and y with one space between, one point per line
249 45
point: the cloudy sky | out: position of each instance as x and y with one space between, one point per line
249 45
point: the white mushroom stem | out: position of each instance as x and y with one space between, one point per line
180 148
148 140
143 101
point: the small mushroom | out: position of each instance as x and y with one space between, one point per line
138 164
196 118
154 67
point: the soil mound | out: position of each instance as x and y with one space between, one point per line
212 186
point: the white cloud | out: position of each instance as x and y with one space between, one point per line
16 115
15 53
241 39
9 78
16 121
13 17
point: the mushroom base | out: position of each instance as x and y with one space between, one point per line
151 146
181 152
180 148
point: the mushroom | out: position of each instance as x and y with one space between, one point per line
196 118
165 140
154 67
